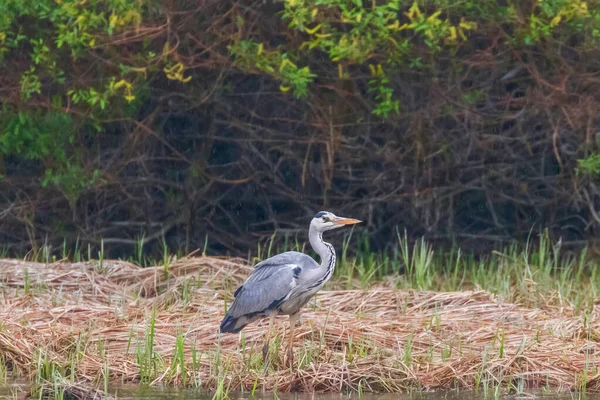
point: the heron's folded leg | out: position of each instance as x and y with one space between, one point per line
290 351
265 349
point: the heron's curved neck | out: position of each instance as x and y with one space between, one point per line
322 248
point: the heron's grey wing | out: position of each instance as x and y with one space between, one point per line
258 296
270 283
266 268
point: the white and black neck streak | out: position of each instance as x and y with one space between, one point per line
324 221
325 251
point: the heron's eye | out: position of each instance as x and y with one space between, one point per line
325 219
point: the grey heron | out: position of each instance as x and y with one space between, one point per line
283 284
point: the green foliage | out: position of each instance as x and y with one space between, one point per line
50 37
473 97
250 54
589 165
46 136
30 84
36 135
362 32
351 33
394 34
71 178
380 85
74 24
60 33
95 98
574 15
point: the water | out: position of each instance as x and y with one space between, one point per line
136 392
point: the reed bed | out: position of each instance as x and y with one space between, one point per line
105 322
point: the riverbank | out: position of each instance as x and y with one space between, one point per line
102 322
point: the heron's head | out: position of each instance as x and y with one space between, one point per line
326 221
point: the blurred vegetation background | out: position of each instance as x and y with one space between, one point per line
219 122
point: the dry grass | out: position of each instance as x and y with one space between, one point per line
93 322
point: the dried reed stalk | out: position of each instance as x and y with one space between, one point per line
379 339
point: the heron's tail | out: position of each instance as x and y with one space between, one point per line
232 325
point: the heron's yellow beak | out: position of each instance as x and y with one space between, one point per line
346 221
